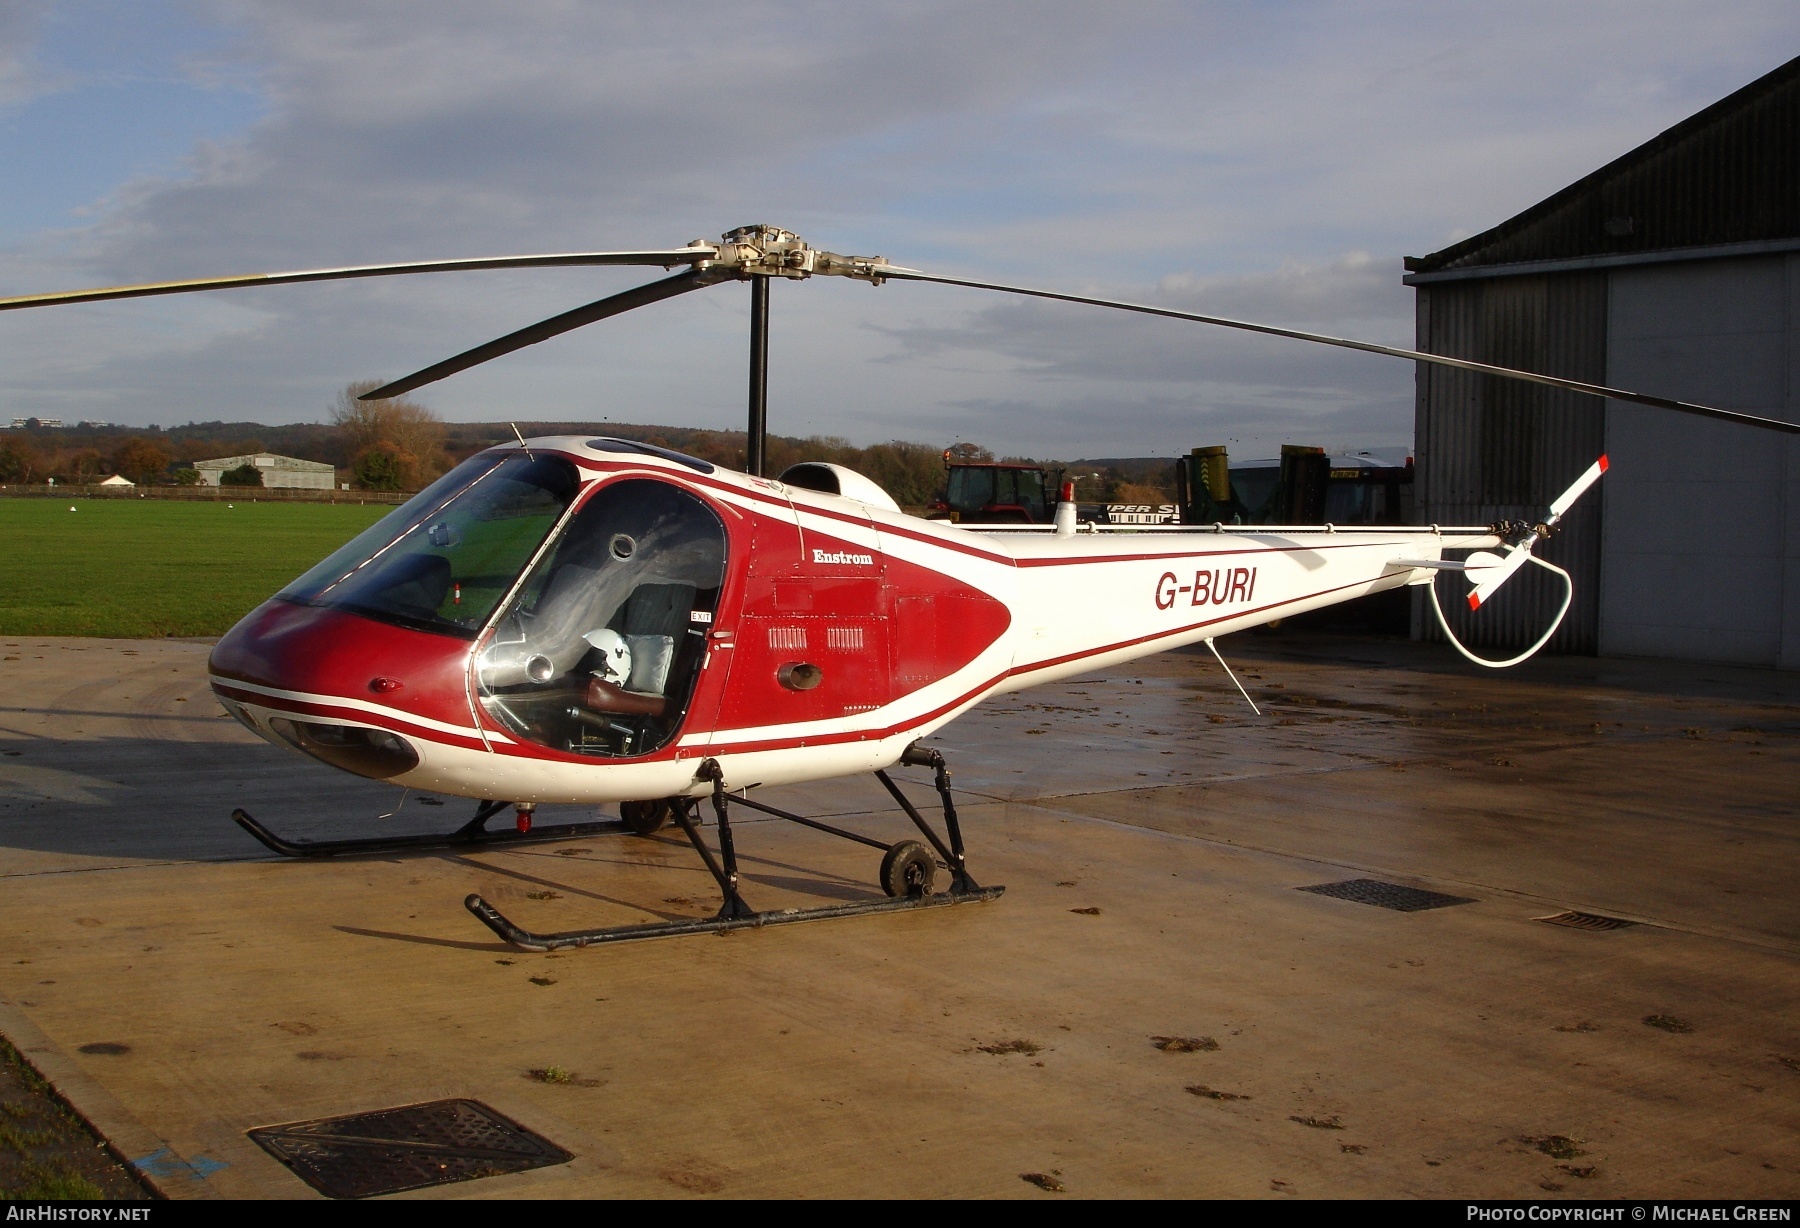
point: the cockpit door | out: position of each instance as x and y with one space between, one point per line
810 639
600 652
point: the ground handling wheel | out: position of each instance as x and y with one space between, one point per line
643 818
909 869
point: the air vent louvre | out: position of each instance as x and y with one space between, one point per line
1586 921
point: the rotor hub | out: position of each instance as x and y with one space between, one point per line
769 251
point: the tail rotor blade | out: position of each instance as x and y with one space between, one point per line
1491 578
1566 500
1494 571
638 296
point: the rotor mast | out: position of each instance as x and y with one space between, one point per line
759 254
756 435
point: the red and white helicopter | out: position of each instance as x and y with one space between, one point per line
594 620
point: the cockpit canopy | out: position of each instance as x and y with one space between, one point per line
446 558
593 648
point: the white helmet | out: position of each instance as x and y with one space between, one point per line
615 656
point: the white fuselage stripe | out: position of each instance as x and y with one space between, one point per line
360 705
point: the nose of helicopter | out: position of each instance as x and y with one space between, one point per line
358 694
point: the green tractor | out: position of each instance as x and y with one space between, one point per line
1306 486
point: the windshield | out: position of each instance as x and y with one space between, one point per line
442 561
1255 489
599 652
1031 490
970 489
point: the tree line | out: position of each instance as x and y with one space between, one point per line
399 444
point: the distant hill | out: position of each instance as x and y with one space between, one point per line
911 471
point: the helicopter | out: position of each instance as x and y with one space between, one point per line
595 620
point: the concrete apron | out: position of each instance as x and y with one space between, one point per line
1369 1052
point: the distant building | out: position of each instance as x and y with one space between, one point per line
21 424
278 472
1674 270
116 480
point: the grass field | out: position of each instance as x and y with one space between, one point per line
134 568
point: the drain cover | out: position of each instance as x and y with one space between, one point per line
1587 921
1386 895
407 1148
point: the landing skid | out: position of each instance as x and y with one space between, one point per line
907 871
472 834
527 941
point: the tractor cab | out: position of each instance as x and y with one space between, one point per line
991 492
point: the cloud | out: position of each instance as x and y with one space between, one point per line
21 24
1168 379
1232 158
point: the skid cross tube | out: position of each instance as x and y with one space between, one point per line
917 818
734 913
733 908
923 756
474 832
871 841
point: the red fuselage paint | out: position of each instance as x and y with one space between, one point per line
878 628
906 623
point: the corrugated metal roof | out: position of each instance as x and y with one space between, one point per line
1730 174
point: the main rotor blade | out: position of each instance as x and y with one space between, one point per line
1462 364
637 296
674 256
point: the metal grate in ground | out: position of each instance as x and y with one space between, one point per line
1386 895
417 1145
1586 921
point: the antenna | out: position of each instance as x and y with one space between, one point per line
521 439
1233 677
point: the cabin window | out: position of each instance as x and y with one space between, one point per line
599 652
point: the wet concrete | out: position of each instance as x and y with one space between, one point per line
183 987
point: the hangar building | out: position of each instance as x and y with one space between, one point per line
278 472
1675 271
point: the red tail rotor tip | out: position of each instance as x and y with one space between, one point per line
1474 601
1603 462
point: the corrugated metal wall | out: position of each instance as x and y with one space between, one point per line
1489 449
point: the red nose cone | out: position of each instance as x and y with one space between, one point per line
303 657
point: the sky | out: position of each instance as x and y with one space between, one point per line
1271 161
